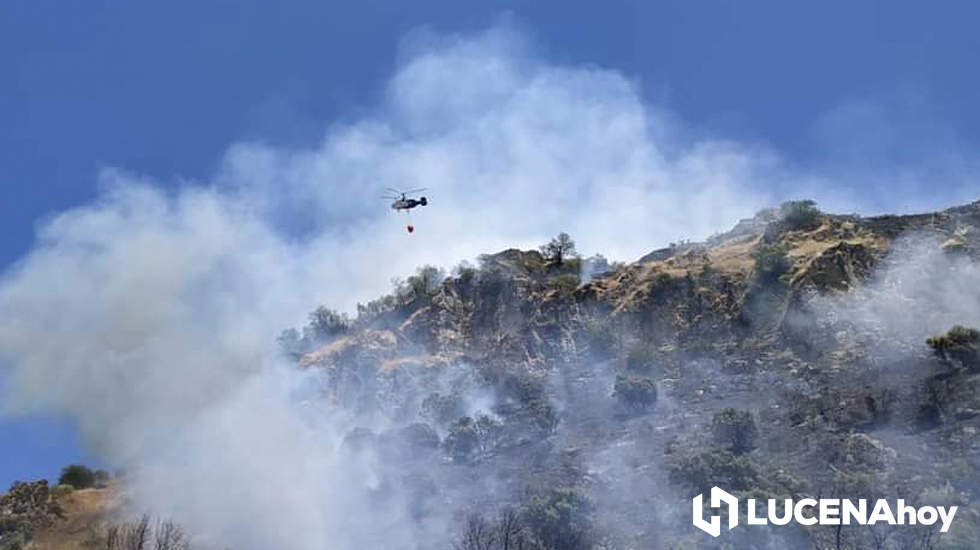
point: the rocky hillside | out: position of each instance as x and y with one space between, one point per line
786 357
36 517
543 401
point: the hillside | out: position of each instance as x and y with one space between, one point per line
799 335
527 402
34 517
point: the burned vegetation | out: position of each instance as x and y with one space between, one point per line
591 403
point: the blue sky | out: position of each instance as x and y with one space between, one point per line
165 89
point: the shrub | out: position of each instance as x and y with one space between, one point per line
13 541
560 520
771 262
802 214
543 414
961 344
734 430
718 467
600 335
488 433
465 273
369 312
635 392
418 289
566 283
463 440
77 475
326 324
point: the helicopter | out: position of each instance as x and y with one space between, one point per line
403 202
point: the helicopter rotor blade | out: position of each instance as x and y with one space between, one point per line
419 190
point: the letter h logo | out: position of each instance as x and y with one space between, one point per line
713 527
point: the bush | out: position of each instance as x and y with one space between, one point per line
488 432
13 541
77 475
771 262
369 312
635 392
560 520
718 467
735 430
465 273
463 440
601 337
543 414
566 283
802 214
326 323
961 345
418 289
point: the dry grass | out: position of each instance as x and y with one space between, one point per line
87 511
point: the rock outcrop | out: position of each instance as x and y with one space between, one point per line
26 508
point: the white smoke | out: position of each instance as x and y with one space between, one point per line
149 315
919 291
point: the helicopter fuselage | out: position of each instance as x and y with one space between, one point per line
408 204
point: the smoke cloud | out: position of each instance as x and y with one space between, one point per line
149 316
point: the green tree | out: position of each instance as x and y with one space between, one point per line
559 249
77 475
